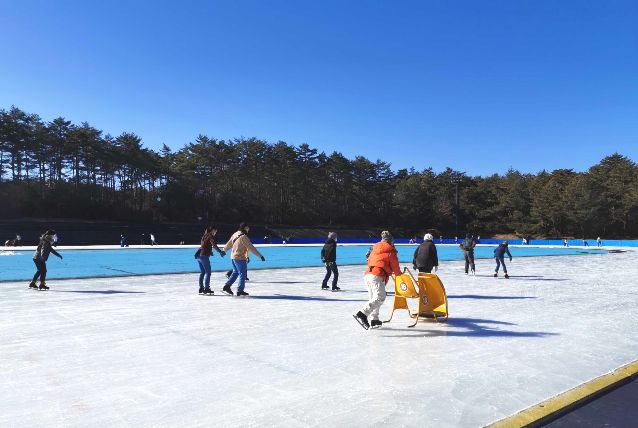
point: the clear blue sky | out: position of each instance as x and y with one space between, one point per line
479 86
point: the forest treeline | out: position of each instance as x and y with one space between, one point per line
58 169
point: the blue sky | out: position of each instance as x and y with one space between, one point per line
480 86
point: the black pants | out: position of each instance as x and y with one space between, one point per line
469 260
426 269
331 268
42 270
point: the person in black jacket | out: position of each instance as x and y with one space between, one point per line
40 257
425 257
329 257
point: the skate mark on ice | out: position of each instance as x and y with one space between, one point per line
99 291
472 327
480 297
307 298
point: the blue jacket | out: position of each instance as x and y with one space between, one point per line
501 250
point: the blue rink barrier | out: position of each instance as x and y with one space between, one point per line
488 241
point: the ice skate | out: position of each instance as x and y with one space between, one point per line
335 288
473 272
362 319
507 276
201 290
495 274
242 294
325 287
227 290
33 285
207 290
43 286
376 324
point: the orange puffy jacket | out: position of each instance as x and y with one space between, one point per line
383 261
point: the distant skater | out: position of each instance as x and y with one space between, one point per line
152 239
599 242
425 257
241 245
585 243
467 246
565 243
40 257
499 256
383 262
329 258
203 258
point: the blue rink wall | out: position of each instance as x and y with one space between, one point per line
90 263
572 242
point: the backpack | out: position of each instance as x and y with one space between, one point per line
467 244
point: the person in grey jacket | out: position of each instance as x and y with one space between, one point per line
40 257
425 257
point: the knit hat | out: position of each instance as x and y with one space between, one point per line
332 235
387 237
428 237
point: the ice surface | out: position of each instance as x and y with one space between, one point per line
149 351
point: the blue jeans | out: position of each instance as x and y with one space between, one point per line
204 270
331 269
240 269
500 261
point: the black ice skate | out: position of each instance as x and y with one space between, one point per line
207 290
335 288
43 286
201 290
325 287
375 324
227 290
33 285
495 274
242 294
507 276
362 319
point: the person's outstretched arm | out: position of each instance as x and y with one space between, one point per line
254 250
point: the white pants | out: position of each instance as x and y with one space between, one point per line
376 295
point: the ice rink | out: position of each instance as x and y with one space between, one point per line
149 351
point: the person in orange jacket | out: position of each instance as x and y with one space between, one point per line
382 263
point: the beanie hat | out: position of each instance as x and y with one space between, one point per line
387 237
428 237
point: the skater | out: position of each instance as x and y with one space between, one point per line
565 243
40 257
440 239
425 257
585 243
499 256
152 239
329 258
467 246
55 240
241 245
382 263
203 258
123 241
599 242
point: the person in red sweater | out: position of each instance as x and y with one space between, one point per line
382 263
203 258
